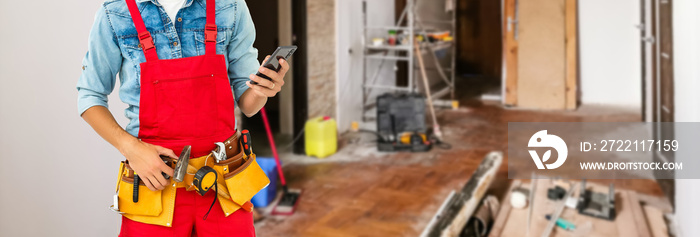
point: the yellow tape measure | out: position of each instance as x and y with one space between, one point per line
204 179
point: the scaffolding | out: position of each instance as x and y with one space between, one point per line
411 25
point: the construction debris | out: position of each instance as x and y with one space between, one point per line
451 219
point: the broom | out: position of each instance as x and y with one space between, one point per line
290 197
419 55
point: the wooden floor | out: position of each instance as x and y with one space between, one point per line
359 192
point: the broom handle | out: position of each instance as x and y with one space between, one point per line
419 55
272 146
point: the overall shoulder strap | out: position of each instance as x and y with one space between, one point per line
147 45
210 28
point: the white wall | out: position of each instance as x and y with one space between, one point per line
57 176
610 53
687 104
349 65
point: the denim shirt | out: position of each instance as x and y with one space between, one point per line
113 48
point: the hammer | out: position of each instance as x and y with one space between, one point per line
181 170
182 162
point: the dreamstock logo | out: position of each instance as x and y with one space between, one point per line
542 139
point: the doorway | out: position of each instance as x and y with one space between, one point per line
281 22
479 50
478 47
265 18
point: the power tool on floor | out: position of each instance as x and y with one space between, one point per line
401 123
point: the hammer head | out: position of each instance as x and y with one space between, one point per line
182 162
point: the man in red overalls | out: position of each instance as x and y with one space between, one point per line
175 99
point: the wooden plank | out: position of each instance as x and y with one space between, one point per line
655 219
638 215
541 54
661 203
553 208
438 214
464 203
541 207
515 220
504 212
571 54
510 54
624 217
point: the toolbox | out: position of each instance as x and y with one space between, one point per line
401 123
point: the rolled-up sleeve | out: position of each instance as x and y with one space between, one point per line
100 65
242 56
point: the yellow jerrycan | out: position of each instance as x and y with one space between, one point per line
321 137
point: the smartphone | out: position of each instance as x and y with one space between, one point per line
273 63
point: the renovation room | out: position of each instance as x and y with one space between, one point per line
487 64
454 118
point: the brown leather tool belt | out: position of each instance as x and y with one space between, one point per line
239 178
234 160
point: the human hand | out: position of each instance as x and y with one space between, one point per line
145 160
265 87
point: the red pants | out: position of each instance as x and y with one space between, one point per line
190 208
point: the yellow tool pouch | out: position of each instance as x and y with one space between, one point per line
242 178
149 204
246 181
153 207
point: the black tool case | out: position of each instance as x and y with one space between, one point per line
397 114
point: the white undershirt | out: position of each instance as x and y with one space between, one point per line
172 7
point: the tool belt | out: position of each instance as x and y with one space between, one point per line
239 178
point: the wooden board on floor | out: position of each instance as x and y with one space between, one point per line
655 219
541 54
504 211
630 220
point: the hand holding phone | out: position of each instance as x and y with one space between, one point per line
273 62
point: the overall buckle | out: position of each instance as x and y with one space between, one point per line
146 41
219 152
210 33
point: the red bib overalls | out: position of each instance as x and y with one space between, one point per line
187 101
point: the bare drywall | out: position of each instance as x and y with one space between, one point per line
610 53
321 53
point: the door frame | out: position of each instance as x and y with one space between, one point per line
509 76
286 96
300 72
662 85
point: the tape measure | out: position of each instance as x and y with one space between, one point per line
205 179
